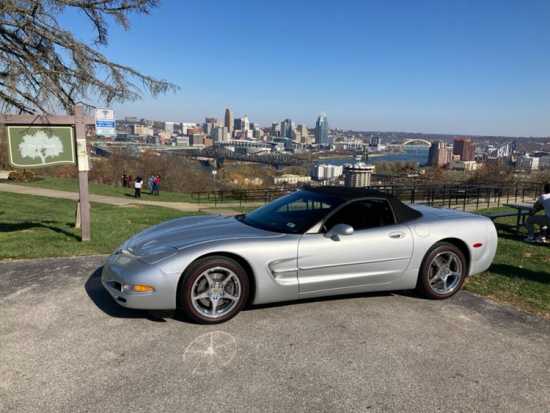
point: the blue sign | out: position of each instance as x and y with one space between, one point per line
105 122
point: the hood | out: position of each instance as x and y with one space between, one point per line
185 232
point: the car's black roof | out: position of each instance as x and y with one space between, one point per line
347 193
403 213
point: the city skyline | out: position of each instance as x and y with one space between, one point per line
222 117
469 68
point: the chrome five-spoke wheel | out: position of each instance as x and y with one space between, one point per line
445 272
216 292
213 289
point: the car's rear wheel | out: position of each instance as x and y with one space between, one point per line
214 290
443 271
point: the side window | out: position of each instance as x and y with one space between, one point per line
364 214
302 204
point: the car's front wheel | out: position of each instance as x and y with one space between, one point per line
214 290
443 271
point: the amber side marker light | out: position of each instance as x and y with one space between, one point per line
477 245
140 288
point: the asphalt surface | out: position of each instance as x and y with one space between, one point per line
65 346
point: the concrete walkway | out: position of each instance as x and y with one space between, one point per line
124 201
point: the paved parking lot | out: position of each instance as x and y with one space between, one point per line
65 346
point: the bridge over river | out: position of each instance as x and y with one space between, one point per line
211 152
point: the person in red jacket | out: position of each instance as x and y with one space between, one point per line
156 185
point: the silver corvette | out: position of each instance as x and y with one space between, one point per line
314 242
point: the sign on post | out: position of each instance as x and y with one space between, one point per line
40 146
82 155
43 140
105 122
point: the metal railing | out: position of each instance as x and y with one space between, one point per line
465 197
456 196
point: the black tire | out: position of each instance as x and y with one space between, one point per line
194 271
428 267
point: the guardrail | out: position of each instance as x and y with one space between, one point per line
465 197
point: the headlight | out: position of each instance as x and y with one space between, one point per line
158 254
121 247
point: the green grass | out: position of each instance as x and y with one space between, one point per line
520 274
36 227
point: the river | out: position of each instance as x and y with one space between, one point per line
410 154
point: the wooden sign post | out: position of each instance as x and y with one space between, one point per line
78 121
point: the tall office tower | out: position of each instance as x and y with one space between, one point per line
219 134
209 125
286 128
321 131
228 120
465 148
245 123
440 154
275 129
302 135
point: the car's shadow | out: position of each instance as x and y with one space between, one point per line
103 300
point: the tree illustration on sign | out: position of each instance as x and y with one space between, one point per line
40 145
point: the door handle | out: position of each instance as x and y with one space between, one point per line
397 235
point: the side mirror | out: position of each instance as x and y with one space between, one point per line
339 230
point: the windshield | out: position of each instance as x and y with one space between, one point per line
292 214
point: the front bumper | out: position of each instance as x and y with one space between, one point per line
121 269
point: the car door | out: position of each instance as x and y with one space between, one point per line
378 251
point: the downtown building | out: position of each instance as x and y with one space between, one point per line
326 172
301 135
242 124
228 120
287 128
321 131
440 154
464 148
358 175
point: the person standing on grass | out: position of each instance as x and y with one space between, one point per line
158 185
130 181
124 180
153 185
150 184
137 187
542 203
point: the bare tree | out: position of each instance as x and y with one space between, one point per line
44 67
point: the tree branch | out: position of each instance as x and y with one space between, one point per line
43 65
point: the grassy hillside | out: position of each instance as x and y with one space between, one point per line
33 227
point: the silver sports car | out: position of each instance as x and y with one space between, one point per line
314 242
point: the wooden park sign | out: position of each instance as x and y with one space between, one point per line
36 141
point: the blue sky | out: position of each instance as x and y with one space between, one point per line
472 67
